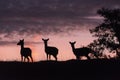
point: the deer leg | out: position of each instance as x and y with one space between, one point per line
24 59
31 58
77 57
21 58
80 57
56 58
47 57
28 59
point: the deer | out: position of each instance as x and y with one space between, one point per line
49 50
25 52
83 51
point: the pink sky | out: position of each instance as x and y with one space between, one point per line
83 38
59 20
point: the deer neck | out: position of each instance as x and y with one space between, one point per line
46 45
22 46
73 47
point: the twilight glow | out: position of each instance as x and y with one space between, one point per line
59 20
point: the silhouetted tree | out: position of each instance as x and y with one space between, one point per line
96 46
108 32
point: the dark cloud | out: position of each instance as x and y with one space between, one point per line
53 8
20 17
7 43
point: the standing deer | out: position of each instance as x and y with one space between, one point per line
50 50
84 51
25 52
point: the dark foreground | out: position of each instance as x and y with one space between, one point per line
65 70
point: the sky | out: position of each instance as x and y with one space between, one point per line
59 20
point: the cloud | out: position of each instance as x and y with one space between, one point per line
54 8
7 43
29 26
29 17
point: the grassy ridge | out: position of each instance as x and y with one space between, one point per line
61 70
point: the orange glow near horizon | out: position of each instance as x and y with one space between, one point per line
59 41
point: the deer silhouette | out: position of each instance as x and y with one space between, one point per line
50 50
83 51
25 52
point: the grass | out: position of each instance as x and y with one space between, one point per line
61 70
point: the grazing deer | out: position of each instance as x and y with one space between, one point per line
25 52
50 50
84 51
